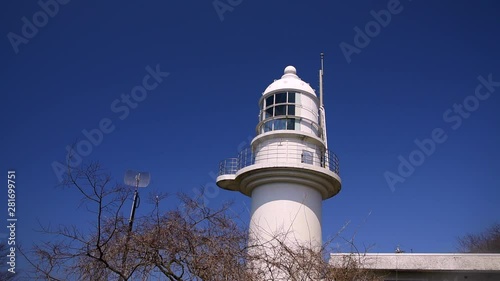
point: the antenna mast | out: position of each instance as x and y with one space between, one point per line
136 179
321 81
322 118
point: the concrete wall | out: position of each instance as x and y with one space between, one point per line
428 266
440 276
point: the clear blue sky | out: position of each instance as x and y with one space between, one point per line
67 76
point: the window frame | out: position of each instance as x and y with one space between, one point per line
279 113
307 157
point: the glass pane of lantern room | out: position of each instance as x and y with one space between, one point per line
281 98
280 124
269 113
280 110
291 97
269 101
290 124
291 110
268 126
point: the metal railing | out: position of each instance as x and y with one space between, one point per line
229 166
247 157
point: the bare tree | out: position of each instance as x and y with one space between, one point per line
487 241
190 242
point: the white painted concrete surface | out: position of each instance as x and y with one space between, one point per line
428 266
288 209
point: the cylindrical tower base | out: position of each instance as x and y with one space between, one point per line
288 212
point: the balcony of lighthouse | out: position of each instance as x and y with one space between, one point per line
290 156
246 157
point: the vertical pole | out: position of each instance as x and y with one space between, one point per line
132 211
130 224
321 81
322 118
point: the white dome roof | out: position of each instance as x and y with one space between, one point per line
289 81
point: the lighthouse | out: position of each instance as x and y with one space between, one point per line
288 169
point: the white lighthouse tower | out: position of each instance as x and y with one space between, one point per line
288 170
